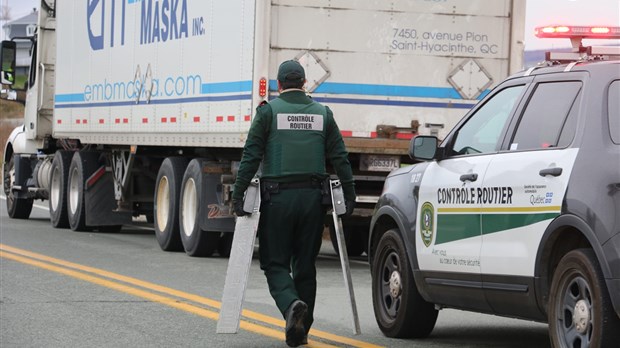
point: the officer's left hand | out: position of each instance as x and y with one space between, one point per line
238 207
350 205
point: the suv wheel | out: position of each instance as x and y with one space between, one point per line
399 308
580 310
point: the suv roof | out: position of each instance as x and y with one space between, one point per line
609 68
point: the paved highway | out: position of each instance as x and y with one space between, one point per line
60 288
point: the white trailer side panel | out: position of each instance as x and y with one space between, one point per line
155 72
391 62
488 7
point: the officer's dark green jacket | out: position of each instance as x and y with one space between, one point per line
294 136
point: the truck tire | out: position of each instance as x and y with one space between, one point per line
353 236
400 310
580 309
225 244
166 207
196 242
58 189
82 166
18 208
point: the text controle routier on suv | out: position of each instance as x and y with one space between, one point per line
517 212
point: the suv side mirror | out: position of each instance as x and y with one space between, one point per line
423 147
7 62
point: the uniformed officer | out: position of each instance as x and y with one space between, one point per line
293 136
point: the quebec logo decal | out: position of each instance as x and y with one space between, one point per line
427 223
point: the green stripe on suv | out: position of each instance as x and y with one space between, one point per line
453 227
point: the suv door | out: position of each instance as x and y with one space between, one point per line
448 241
533 169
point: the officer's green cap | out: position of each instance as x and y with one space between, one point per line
291 70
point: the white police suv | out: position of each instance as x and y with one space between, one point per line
517 212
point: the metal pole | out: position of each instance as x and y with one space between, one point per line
239 262
338 205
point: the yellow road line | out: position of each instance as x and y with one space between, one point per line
171 302
187 296
549 209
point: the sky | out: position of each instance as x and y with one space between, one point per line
538 13
19 8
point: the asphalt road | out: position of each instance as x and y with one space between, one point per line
60 288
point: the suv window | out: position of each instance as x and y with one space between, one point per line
614 111
545 122
480 134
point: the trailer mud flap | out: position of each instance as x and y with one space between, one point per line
239 262
216 214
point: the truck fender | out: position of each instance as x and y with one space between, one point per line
19 144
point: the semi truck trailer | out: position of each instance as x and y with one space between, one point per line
142 107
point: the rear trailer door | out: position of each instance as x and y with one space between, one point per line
380 63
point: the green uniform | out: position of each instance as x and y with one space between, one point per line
293 136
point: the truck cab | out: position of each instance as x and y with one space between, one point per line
27 141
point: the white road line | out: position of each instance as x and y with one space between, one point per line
41 207
46 208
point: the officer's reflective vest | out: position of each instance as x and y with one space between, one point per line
296 142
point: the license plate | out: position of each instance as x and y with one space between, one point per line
379 163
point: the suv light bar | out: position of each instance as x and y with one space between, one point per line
576 34
582 32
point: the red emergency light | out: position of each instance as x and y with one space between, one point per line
583 32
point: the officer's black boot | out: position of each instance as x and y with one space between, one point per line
295 330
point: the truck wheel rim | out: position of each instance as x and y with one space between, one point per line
55 189
575 313
190 205
391 285
163 203
74 191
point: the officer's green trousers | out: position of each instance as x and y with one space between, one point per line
289 235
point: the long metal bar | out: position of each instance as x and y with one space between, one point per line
239 263
338 204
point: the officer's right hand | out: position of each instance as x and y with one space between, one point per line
238 207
